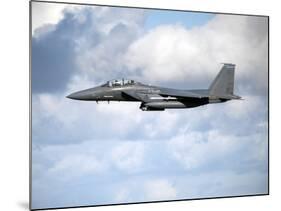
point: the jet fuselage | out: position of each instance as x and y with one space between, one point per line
154 98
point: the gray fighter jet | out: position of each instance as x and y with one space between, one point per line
154 98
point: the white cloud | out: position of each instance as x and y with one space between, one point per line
196 150
89 158
174 53
100 52
159 189
46 13
75 165
79 120
128 156
220 183
243 108
161 124
122 195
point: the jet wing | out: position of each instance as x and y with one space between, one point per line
162 94
182 94
135 95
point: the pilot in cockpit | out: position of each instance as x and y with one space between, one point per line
120 82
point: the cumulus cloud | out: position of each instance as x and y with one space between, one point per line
128 156
172 53
55 116
94 167
87 40
90 157
191 149
44 14
125 171
52 61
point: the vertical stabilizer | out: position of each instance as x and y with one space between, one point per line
224 82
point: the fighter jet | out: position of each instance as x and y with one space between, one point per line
154 98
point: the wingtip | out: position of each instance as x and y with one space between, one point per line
239 98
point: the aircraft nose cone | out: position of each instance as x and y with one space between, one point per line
88 94
74 96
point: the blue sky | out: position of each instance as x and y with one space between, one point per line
187 19
89 154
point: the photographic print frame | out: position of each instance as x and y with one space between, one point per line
160 183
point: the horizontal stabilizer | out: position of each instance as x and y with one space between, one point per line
231 97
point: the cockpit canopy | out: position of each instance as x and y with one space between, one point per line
119 82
